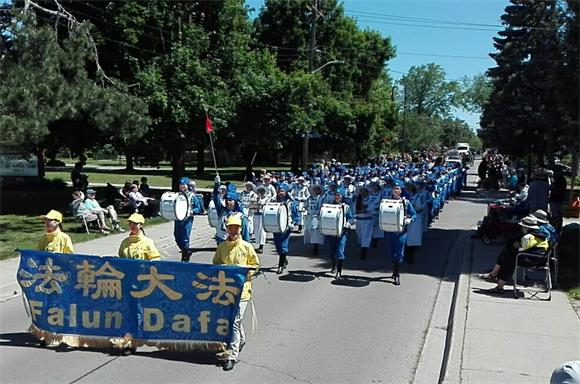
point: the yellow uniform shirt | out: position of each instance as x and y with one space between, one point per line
57 242
530 241
239 253
138 247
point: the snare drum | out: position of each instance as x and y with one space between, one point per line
212 215
276 217
391 215
332 219
174 206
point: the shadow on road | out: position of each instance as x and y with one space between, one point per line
27 340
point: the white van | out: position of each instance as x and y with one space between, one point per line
462 148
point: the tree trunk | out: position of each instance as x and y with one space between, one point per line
177 164
296 152
129 160
200 159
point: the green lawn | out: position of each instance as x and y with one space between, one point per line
21 231
156 177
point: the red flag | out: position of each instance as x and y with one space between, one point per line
208 125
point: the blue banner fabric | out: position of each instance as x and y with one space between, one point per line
112 297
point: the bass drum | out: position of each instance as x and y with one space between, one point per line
332 220
275 217
174 206
391 215
212 215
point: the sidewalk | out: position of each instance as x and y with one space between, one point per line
498 339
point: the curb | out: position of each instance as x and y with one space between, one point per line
453 354
434 352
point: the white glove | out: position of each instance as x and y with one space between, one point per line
217 179
348 225
407 221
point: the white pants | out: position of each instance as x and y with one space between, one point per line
259 232
364 232
250 219
238 334
312 236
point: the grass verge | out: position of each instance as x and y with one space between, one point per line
24 232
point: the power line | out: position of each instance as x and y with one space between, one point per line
420 19
439 21
426 26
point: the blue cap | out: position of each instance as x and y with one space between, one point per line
399 183
232 196
184 180
340 191
283 186
232 188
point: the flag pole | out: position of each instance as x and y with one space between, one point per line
211 143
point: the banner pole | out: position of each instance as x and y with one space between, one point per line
209 132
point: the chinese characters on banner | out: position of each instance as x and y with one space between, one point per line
108 296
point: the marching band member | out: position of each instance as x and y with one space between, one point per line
398 240
329 194
337 244
266 181
349 188
236 251
312 234
257 206
231 206
300 194
54 239
281 239
415 229
364 213
137 245
246 197
374 203
182 228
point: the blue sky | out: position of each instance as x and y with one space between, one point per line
425 41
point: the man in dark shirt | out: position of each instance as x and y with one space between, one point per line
557 197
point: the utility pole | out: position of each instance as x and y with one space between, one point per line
314 13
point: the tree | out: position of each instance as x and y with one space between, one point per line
523 107
475 92
348 109
48 98
427 92
569 83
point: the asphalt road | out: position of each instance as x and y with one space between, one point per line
312 328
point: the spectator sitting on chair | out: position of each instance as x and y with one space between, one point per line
138 201
126 188
534 241
80 210
144 187
94 207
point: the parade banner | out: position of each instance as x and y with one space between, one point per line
161 303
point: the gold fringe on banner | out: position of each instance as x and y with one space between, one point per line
81 341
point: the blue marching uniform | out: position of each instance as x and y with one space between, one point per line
224 213
282 239
182 228
337 244
398 240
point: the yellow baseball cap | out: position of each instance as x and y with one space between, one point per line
234 220
52 215
137 218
